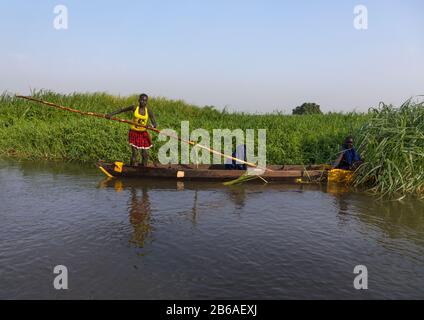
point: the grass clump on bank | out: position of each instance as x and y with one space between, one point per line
32 131
392 144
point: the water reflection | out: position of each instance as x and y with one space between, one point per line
194 209
140 216
237 194
339 193
394 219
139 209
288 238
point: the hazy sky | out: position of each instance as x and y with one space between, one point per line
247 55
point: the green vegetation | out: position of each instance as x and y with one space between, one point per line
392 143
390 139
34 131
307 108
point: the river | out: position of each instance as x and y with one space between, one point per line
129 239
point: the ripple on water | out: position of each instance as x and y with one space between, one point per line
153 240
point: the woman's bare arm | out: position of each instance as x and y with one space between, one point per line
152 117
130 108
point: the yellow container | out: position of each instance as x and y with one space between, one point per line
118 166
340 176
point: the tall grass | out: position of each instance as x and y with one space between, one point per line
392 144
391 140
33 131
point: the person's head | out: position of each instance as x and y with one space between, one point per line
143 99
349 142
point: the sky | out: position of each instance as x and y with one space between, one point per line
252 56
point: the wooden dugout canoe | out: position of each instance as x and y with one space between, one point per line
283 173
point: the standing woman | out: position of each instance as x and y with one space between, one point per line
138 137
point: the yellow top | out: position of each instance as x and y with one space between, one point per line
140 119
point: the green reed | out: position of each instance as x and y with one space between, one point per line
392 145
33 131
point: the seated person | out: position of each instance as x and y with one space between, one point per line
349 158
240 153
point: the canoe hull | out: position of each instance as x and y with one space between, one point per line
288 173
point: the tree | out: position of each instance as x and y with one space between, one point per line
307 108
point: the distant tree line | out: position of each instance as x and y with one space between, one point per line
307 108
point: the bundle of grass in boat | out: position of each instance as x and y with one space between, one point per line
392 145
244 178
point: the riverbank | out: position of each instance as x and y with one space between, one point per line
31 131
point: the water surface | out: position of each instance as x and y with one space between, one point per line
128 239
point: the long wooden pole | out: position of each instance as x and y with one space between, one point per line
98 115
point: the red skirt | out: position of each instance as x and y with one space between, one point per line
139 139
